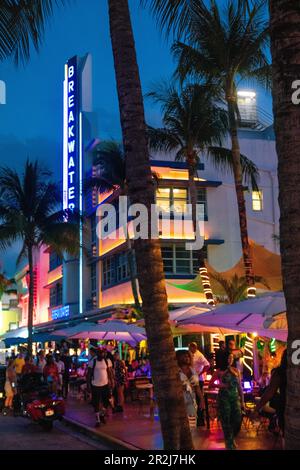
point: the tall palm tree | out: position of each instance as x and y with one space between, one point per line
226 46
110 157
194 123
285 48
30 213
22 24
168 388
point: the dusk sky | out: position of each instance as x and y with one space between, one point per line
31 121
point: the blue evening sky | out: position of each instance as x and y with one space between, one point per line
31 121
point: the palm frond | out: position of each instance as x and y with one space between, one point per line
22 24
172 16
222 160
163 139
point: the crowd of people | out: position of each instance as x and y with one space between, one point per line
105 377
226 377
101 380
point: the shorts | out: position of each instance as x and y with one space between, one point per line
100 395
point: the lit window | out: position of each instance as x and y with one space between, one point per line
163 199
257 201
179 199
171 199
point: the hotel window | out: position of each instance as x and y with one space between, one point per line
178 260
122 267
202 199
171 199
56 295
54 260
108 271
257 201
93 229
93 279
59 293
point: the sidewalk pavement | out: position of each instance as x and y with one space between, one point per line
135 428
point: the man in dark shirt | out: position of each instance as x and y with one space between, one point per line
221 356
224 352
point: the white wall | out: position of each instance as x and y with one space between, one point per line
223 221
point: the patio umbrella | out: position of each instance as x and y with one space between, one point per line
72 330
113 330
247 316
189 312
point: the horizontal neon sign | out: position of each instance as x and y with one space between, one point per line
61 312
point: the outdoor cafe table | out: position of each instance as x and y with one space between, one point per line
213 394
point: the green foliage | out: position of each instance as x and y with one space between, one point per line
194 122
6 284
22 24
30 212
235 288
226 45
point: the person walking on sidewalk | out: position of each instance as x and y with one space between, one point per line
201 366
230 401
10 386
190 384
101 378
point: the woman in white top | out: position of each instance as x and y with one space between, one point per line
190 383
101 380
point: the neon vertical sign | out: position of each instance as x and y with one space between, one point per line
71 136
72 152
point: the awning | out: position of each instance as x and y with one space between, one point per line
14 341
17 333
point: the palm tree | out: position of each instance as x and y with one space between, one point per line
285 48
194 124
168 388
227 46
110 157
235 288
29 212
22 23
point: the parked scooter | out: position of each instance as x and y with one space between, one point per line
35 401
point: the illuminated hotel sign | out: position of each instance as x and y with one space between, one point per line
62 312
71 136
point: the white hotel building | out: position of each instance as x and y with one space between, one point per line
94 284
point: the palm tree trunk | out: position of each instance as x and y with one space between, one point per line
31 299
168 388
238 180
202 268
285 48
133 279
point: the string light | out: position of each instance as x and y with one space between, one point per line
206 285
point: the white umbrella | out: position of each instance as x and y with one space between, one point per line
189 312
113 330
72 330
247 316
